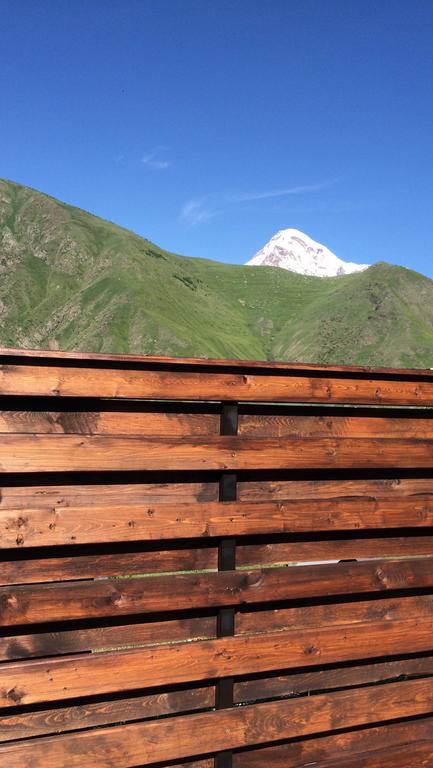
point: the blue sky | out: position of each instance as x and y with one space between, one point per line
207 125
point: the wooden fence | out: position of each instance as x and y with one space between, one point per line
214 564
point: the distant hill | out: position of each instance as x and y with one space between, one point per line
70 280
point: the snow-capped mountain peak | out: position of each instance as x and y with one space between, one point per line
291 249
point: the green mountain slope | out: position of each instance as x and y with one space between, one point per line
73 281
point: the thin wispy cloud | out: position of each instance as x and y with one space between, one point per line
245 197
153 159
197 211
202 209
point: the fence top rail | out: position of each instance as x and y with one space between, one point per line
35 356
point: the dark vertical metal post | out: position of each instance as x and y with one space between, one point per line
226 562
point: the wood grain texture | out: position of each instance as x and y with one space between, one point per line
30 682
67 641
94 494
52 526
62 601
154 561
43 355
332 550
267 490
327 679
328 425
99 566
333 614
80 717
98 639
322 749
63 453
184 736
108 423
413 755
295 386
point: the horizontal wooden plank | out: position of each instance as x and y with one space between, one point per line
28 571
80 525
63 453
63 601
184 736
327 679
102 639
333 614
108 423
68 381
82 716
311 752
333 550
66 641
270 490
146 361
30 682
252 425
43 569
411 755
93 494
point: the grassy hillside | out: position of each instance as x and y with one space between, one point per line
73 281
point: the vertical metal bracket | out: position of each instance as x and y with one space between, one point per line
226 562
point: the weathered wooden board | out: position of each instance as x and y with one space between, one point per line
171 739
80 717
328 425
317 488
63 453
108 423
68 381
350 548
104 638
31 682
38 570
54 526
63 601
329 751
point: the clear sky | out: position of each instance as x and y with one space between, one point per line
207 125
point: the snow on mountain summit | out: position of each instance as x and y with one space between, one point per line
291 249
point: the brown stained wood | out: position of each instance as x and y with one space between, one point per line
62 601
184 736
267 490
328 679
312 752
413 755
297 386
93 495
131 635
133 563
102 639
333 614
63 453
333 426
209 763
108 423
100 566
24 355
79 525
339 549
37 681
86 715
